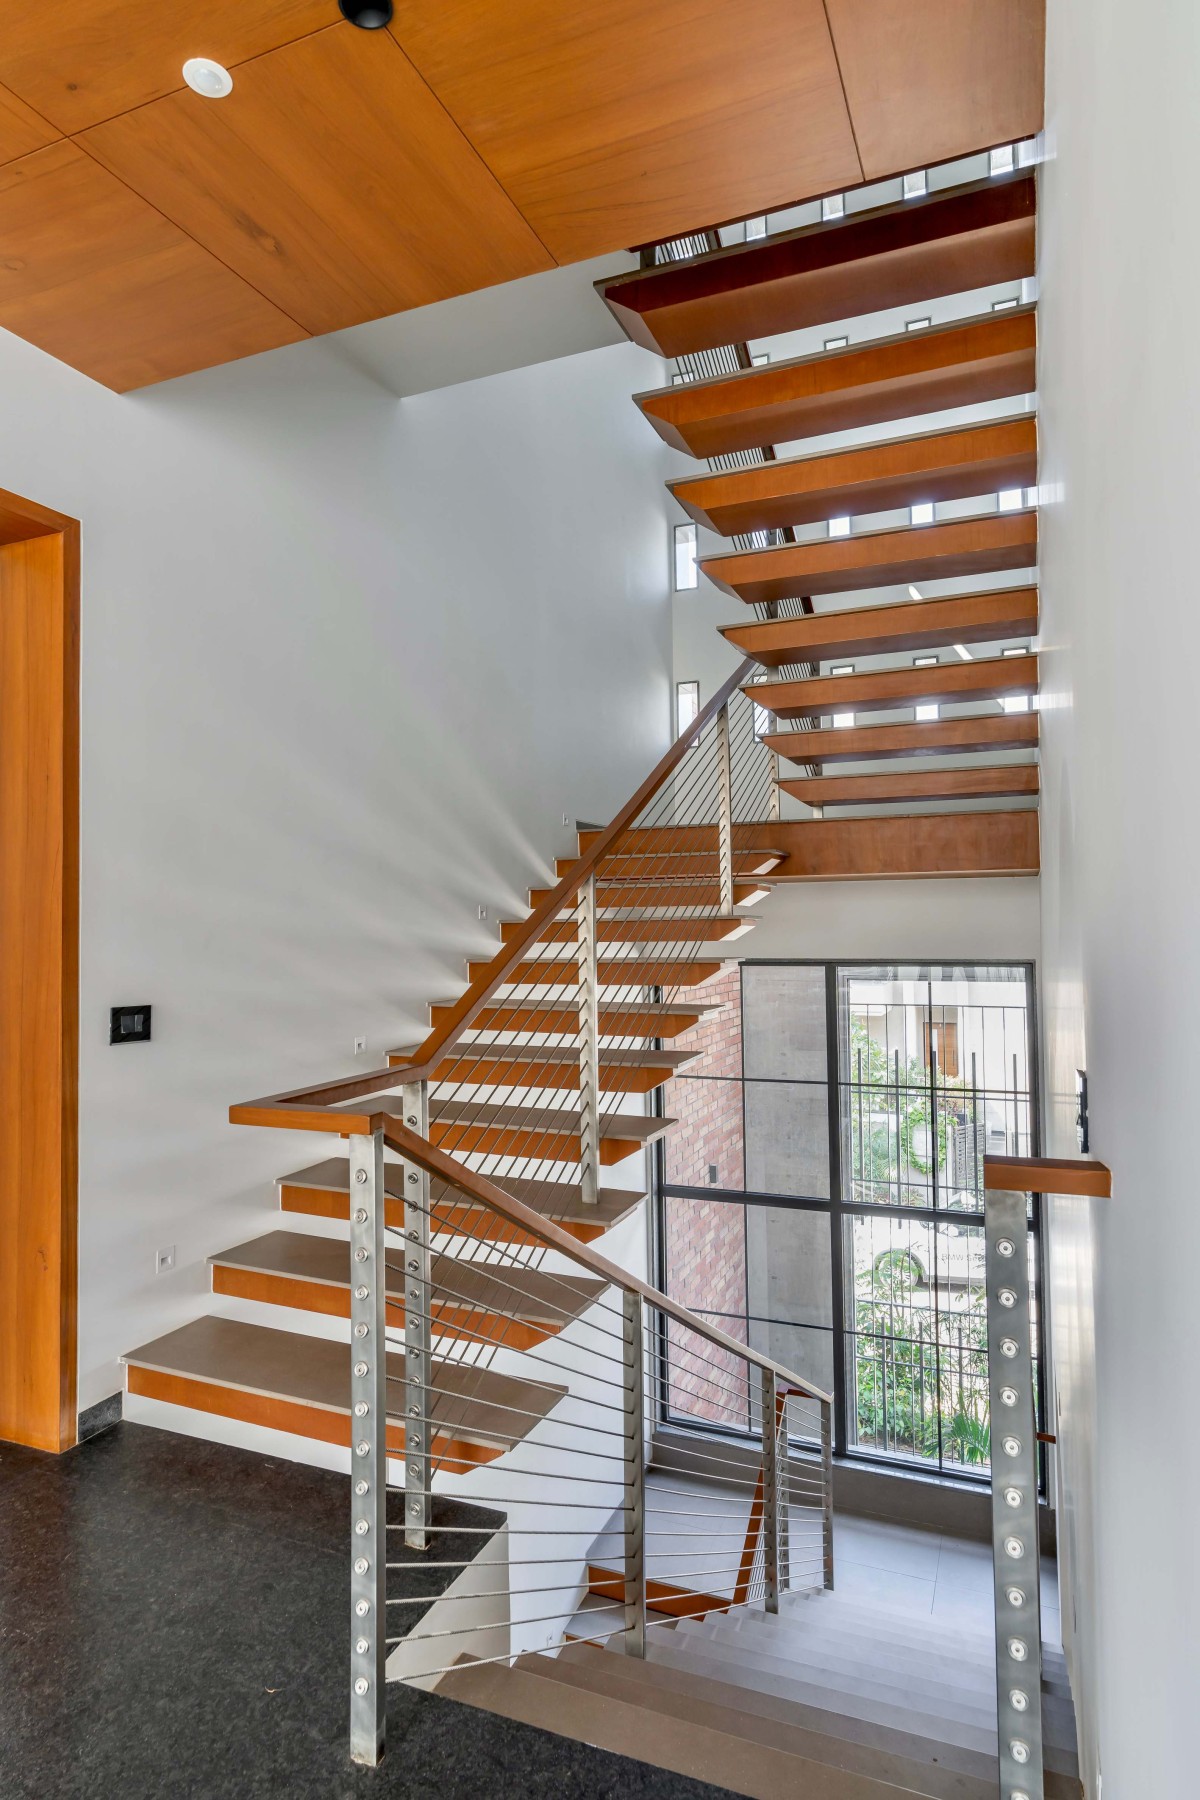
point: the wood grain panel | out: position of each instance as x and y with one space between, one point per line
986 545
882 630
893 378
871 478
1048 1175
947 242
1009 780
911 846
936 737
929 82
330 179
39 930
879 690
80 61
91 273
21 130
617 123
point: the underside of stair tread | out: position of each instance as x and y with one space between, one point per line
953 549
943 242
659 892
897 628
618 1018
645 1129
984 782
671 930
495 1050
937 737
529 1294
683 854
884 690
473 1405
324 1189
959 364
674 970
884 476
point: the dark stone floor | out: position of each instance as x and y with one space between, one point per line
174 1621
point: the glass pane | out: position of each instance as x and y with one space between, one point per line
704 1243
783 1007
917 1354
787 1139
788 1265
804 1349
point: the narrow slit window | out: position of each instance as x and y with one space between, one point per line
839 527
687 705
685 558
921 513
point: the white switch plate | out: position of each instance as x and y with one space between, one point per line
360 1045
164 1260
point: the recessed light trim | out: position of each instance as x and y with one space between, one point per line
211 80
368 15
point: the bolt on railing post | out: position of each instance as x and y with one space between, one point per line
827 1491
724 811
1016 1552
770 1488
589 1044
418 1333
635 1480
368 1450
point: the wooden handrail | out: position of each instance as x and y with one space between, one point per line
311 1108
1048 1175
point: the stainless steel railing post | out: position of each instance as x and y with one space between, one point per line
635 1479
368 1452
771 1488
724 810
418 1333
589 1043
1016 1555
827 1491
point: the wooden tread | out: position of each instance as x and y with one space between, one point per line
687 853
540 1133
663 1596
620 1019
942 243
935 737
496 1064
991 782
629 971
961 364
712 930
517 1307
907 625
879 690
286 1381
665 891
984 545
870 478
323 1192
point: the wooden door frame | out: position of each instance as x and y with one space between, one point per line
39 973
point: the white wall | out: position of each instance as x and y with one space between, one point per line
1119 383
994 920
347 661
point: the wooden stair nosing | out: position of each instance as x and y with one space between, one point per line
516 1306
898 628
323 1191
984 544
945 242
622 1019
935 737
988 782
544 1134
665 891
674 930
287 1381
630 971
882 690
963 363
685 853
952 464
663 1596
494 1064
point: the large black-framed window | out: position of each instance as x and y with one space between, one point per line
821 1199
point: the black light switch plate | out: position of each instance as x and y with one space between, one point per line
129 1025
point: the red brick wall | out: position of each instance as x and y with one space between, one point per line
709 1111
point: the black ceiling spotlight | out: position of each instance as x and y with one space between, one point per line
368 15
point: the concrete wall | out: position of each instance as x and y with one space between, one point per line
1119 380
347 662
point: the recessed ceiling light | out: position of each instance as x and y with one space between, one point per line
204 76
368 15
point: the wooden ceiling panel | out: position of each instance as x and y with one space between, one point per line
21 130
930 82
331 179
92 274
80 61
618 123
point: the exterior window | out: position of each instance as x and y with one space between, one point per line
686 575
1001 162
687 705
833 206
843 721
916 184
